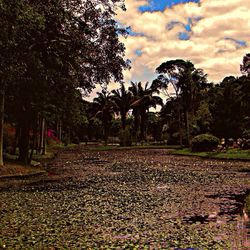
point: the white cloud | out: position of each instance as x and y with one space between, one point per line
207 47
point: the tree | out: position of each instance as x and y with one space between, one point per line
103 107
186 82
143 100
59 46
122 100
245 66
229 105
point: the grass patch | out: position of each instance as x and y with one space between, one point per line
230 154
108 147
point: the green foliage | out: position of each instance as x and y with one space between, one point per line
44 66
231 154
125 137
246 134
204 143
230 107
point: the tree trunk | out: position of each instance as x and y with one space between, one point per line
32 146
106 135
60 130
42 133
180 127
17 135
1 125
136 123
123 118
44 137
187 128
142 127
24 140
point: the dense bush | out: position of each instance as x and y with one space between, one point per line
245 144
204 143
246 134
125 137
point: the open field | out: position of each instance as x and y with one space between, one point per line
127 199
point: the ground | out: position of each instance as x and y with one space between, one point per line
126 199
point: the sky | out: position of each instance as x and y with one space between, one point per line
213 34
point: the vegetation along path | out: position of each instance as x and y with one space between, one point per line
127 199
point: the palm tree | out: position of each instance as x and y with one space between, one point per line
122 100
187 82
103 108
143 101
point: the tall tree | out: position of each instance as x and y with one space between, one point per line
245 66
144 99
60 45
122 99
187 82
103 107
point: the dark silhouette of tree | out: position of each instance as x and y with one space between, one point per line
103 107
229 107
144 99
122 99
245 66
187 82
54 48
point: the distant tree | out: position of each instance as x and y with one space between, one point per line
187 82
135 89
154 125
103 107
122 99
144 99
228 108
245 66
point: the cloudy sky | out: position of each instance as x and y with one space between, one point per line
213 34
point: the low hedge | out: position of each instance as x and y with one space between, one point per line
205 143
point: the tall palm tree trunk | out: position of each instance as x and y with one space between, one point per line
180 126
187 127
123 120
1 124
142 127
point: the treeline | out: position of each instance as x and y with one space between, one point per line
193 106
53 52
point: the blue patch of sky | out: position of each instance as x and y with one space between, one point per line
133 33
184 36
160 5
138 52
188 26
172 24
239 43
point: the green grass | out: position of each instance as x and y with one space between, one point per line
61 146
230 154
108 148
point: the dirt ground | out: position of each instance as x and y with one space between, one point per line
127 199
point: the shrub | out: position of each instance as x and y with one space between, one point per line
245 144
246 134
125 137
204 143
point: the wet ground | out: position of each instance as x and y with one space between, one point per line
127 199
